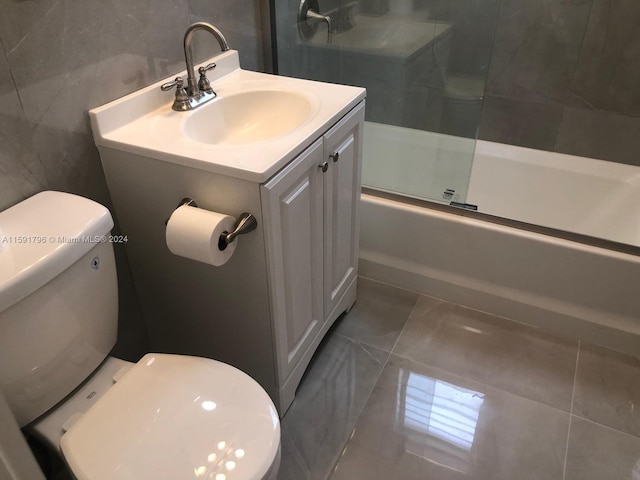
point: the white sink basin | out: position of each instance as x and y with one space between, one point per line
255 126
248 117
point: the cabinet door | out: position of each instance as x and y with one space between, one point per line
343 151
292 212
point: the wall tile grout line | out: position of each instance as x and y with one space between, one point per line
573 393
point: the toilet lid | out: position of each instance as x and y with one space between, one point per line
176 417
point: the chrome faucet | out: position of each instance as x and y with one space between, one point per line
197 92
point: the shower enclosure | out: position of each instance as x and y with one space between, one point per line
519 108
422 114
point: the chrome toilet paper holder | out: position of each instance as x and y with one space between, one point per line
245 223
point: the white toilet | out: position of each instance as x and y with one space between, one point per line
166 417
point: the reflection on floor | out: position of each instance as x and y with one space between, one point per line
411 387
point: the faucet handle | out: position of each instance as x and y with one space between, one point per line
178 83
203 82
181 102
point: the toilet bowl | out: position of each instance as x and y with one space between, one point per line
164 417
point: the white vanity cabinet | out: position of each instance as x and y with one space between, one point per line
310 212
266 310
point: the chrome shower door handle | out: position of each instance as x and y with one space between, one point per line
309 18
315 17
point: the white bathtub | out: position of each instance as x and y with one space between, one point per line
574 194
572 288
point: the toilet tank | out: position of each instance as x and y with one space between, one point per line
58 299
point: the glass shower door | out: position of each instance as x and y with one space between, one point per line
419 133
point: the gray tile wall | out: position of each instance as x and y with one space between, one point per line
564 77
556 75
60 58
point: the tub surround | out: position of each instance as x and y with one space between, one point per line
394 40
394 58
560 78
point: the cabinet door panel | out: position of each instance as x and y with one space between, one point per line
297 242
292 206
342 200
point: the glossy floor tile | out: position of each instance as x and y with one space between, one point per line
608 389
450 398
421 422
491 350
601 453
450 393
379 314
327 404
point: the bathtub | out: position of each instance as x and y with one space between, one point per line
564 192
564 285
574 194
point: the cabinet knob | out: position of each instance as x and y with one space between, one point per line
335 156
324 166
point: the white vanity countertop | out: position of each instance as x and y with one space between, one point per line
144 123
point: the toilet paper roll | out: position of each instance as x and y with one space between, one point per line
194 233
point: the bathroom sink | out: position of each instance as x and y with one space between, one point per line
256 124
248 117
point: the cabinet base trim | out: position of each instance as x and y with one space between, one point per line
288 389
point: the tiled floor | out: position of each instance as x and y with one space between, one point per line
410 387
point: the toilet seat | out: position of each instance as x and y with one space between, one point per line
176 417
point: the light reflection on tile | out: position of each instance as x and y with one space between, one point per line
421 422
327 404
488 349
439 419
